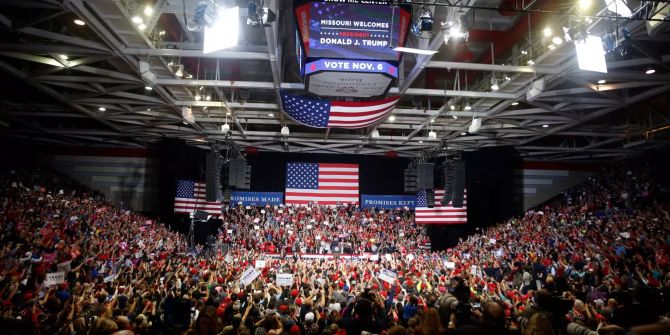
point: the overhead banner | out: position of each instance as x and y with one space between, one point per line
256 198
388 201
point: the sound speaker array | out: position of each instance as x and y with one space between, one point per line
459 183
430 198
410 180
448 176
424 176
239 173
212 176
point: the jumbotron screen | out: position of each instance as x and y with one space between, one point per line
352 31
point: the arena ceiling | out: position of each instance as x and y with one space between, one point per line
72 84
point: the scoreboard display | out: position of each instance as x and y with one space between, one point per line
345 30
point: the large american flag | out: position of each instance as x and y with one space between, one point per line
439 214
322 183
191 196
338 114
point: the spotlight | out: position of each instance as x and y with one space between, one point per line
463 133
141 26
224 32
531 62
148 11
198 97
524 52
422 26
515 103
494 86
507 78
452 107
475 125
545 126
432 135
432 120
584 4
375 134
650 71
225 128
208 97
227 113
180 71
79 22
557 40
620 7
602 81
137 20
148 88
547 32
454 117
285 131
392 118
271 114
590 54
63 57
467 107
102 109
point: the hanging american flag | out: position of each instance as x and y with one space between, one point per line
191 196
338 114
439 214
322 183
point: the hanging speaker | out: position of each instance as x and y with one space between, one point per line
410 180
211 173
430 198
448 176
459 184
424 176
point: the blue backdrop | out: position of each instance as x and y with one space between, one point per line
388 201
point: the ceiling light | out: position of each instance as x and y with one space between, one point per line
545 126
204 108
161 33
454 117
392 118
432 135
189 76
602 81
148 10
524 52
420 142
547 32
208 97
531 62
180 71
184 122
375 134
432 120
650 71
102 109
228 113
271 115
551 47
415 51
198 97
79 22
225 127
584 4
148 88
515 103
285 131
507 78
63 57
557 40
141 26
137 20
225 31
467 107
452 107
148 109
463 133
495 86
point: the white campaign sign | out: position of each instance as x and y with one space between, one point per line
450 265
388 276
249 275
54 278
260 264
284 279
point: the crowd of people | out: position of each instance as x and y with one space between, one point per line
596 259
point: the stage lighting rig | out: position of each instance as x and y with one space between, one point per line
259 16
422 26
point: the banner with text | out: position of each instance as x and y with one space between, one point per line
388 201
256 198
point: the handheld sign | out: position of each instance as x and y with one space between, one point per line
388 276
284 279
54 278
249 275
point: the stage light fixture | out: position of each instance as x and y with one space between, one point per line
137 20
467 107
545 126
102 109
198 97
422 26
432 120
415 51
148 11
257 15
515 103
180 71
224 33
375 134
650 71
494 85
271 114
602 81
535 89
208 97
141 26
225 128
148 88
507 78
463 133
454 117
63 57
557 40
590 54
285 131
420 141
187 114
531 62
79 22
452 107
475 125
432 135
547 32
392 118
584 4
